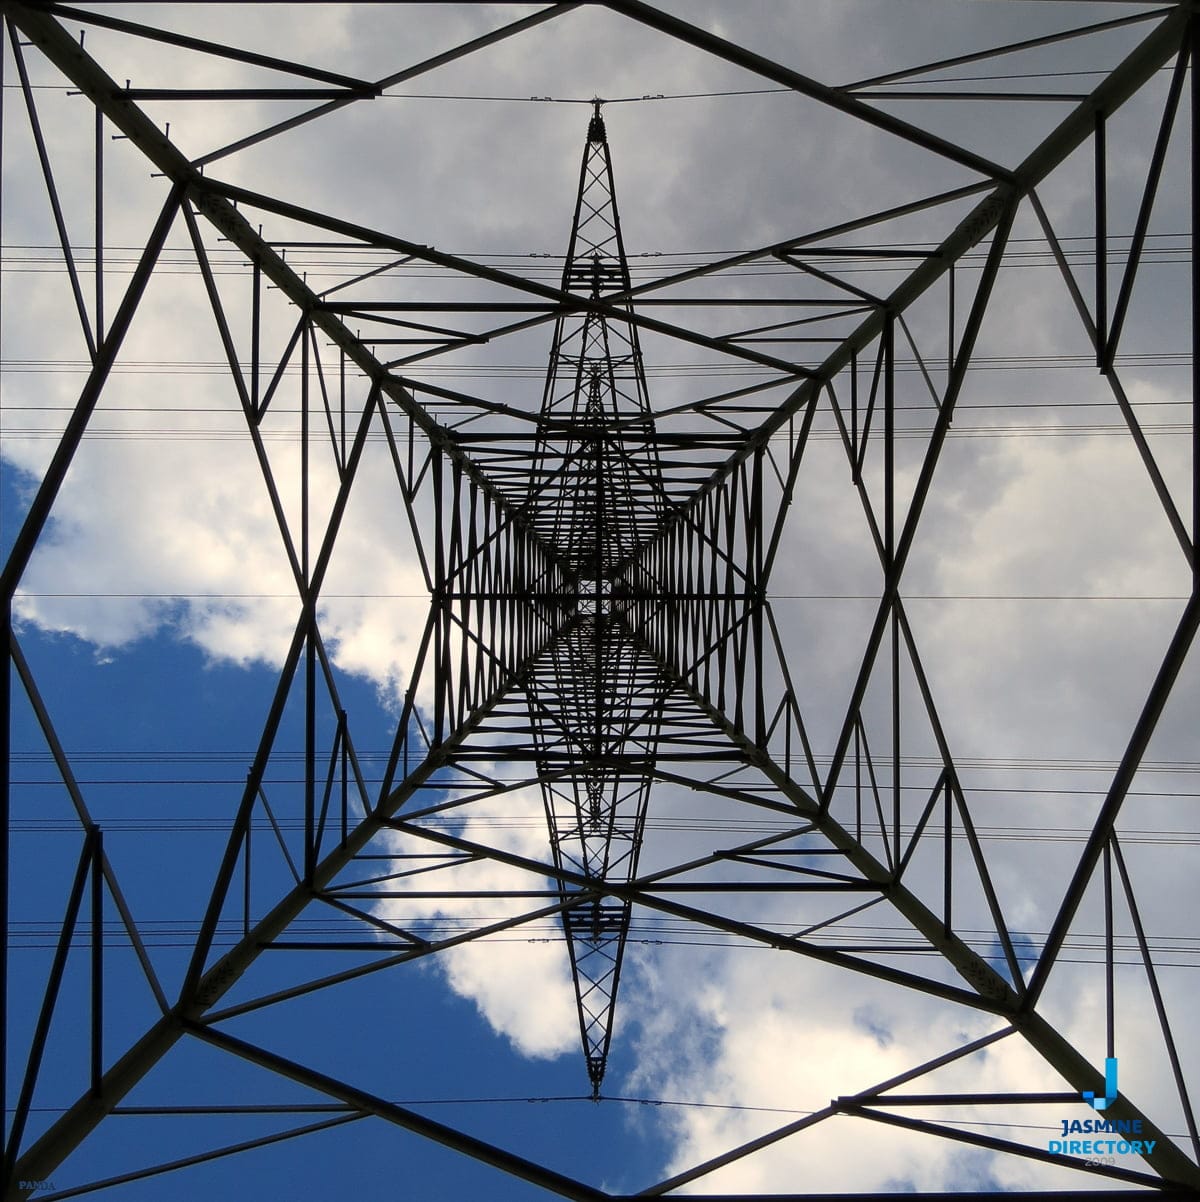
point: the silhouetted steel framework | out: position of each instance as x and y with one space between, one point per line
595 495
600 619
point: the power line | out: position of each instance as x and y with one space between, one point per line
424 596
992 763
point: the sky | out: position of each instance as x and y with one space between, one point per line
1042 589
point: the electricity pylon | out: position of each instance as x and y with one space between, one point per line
602 629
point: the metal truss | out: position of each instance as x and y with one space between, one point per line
601 628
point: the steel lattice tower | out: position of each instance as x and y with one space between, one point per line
606 637
596 493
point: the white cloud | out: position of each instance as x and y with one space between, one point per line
519 980
769 1039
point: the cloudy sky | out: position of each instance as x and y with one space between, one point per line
1043 585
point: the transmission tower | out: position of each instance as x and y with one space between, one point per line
606 639
596 496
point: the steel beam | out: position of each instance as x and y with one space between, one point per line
1124 81
73 1127
69 57
1166 1159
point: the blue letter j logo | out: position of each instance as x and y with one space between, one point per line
1110 1087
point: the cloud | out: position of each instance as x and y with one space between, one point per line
186 538
770 1039
519 980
